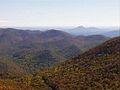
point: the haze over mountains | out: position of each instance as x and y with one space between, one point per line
81 30
112 33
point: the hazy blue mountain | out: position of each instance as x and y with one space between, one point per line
112 33
81 30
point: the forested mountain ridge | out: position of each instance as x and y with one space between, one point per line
95 69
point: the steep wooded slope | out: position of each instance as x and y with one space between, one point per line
96 69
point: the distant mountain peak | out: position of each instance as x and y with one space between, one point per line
81 27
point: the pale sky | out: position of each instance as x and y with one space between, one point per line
59 12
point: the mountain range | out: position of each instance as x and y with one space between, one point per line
33 50
81 30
